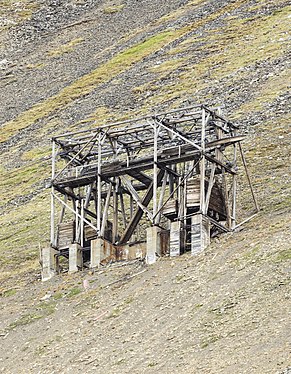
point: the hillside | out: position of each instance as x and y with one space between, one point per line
74 64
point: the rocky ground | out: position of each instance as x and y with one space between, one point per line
65 65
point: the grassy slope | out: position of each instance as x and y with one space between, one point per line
236 46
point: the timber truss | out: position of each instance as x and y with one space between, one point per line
114 181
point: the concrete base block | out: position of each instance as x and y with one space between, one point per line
200 233
97 247
49 263
75 258
153 244
176 239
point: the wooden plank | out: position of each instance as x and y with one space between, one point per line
202 165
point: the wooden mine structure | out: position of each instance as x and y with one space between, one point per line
161 184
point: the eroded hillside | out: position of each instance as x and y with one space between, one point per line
67 65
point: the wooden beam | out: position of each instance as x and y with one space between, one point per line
105 211
115 212
139 211
210 185
75 212
202 165
135 196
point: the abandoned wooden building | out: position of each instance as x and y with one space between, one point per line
142 188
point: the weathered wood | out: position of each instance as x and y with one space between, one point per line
200 233
176 159
139 212
105 211
210 185
115 212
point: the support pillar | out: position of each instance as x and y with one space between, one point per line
75 257
49 263
176 238
97 247
153 244
200 233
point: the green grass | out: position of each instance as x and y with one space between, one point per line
22 230
240 43
74 292
65 48
15 11
102 74
284 255
42 310
20 181
113 9
87 83
9 292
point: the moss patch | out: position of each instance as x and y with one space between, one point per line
87 83
65 48
14 12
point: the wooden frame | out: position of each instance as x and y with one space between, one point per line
124 175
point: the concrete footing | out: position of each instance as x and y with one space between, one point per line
97 247
49 263
176 239
75 258
153 244
200 233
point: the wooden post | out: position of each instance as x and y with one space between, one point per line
210 185
155 187
226 198
77 238
234 188
202 166
115 211
53 239
82 223
105 211
164 185
124 220
99 187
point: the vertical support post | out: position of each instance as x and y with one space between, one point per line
226 198
202 165
124 220
88 195
234 188
115 211
164 185
82 223
98 224
131 206
77 238
210 185
155 180
105 212
53 239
